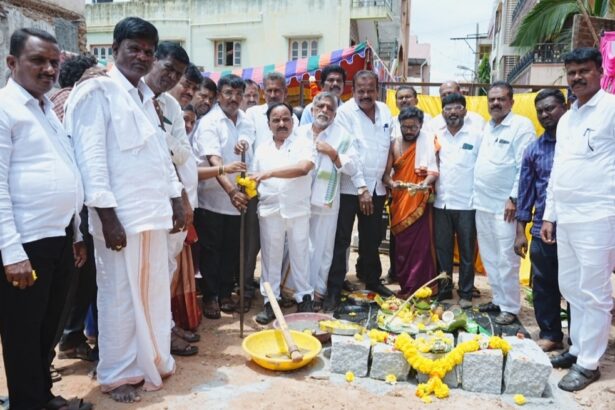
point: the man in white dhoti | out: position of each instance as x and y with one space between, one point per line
170 64
335 155
282 166
135 198
581 199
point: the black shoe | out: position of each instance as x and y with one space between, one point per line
380 289
348 286
306 305
331 302
578 378
266 316
563 361
489 307
444 295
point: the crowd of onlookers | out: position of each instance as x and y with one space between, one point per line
131 190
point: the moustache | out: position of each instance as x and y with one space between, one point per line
47 77
366 99
282 129
579 82
496 107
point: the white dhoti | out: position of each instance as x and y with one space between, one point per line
273 230
134 312
176 244
322 240
586 258
496 239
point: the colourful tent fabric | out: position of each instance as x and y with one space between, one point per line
298 70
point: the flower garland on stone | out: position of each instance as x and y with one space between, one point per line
249 184
437 369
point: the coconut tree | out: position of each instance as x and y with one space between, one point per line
545 22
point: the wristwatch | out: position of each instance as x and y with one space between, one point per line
513 200
362 190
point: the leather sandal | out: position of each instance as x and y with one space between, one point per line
179 347
227 305
211 309
578 378
187 335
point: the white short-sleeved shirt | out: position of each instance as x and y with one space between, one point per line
217 135
496 174
262 133
457 156
582 183
288 196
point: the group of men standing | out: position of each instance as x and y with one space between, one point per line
152 148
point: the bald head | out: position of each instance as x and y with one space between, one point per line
449 87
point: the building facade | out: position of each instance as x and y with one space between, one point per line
62 18
230 34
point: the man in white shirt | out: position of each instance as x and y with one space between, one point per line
275 92
217 141
187 86
252 96
457 149
333 80
471 119
581 199
40 199
282 167
363 194
496 182
335 156
134 198
169 66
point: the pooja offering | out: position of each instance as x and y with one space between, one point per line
341 327
362 297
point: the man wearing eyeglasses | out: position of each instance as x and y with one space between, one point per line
332 79
496 182
413 161
581 198
457 149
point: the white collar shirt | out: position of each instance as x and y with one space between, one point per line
217 136
496 174
456 155
262 133
40 185
582 184
290 197
137 181
372 143
179 146
471 119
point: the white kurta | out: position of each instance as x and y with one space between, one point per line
284 212
325 200
126 165
581 198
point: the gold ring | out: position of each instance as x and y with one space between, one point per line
15 283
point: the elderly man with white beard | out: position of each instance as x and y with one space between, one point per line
335 155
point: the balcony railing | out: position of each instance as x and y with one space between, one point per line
518 9
545 53
373 3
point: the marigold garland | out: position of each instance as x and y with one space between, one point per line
249 184
437 369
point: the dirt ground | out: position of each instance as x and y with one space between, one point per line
222 377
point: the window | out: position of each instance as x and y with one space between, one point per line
228 53
302 48
102 52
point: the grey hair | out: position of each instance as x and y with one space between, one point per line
325 94
275 76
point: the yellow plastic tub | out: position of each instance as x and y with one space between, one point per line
268 349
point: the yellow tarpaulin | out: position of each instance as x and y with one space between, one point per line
524 105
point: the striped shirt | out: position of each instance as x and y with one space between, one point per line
533 180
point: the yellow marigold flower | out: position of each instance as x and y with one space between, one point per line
426 399
423 293
519 399
442 391
358 337
421 326
349 377
390 378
